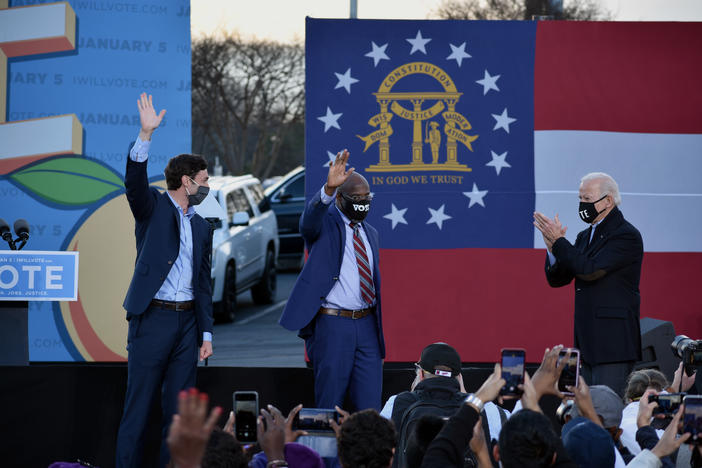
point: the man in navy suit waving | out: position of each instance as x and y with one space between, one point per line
335 302
169 301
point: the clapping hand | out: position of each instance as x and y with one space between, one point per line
551 229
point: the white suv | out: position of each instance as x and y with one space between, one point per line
244 242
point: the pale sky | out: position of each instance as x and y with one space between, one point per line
284 20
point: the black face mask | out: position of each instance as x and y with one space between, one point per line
355 210
587 210
197 197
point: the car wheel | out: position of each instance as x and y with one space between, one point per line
226 310
264 291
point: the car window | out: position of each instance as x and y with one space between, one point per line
237 201
295 189
259 197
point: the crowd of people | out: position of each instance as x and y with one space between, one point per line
599 429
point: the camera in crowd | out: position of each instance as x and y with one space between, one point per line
689 350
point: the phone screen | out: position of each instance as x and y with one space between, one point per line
512 370
668 404
569 376
245 414
692 418
315 419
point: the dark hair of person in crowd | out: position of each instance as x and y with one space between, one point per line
183 164
223 451
426 429
366 440
640 380
527 440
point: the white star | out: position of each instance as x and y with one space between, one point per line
345 81
488 83
438 216
476 196
418 43
498 161
503 120
458 53
332 158
378 53
330 120
396 216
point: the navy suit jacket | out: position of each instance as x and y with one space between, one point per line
158 242
607 299
324 233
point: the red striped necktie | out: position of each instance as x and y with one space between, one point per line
364 271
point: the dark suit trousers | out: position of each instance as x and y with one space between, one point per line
345 356
611 374
163 354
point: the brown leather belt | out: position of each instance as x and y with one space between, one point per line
173 305
353 314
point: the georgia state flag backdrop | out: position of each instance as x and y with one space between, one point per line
465 128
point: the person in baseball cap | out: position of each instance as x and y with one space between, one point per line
440 359
609 407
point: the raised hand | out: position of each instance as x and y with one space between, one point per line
343 415
490 389
337 172
148 117
669 442
191 428
272 438
583 400
687 380
545 379
290 434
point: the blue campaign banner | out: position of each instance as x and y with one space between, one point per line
38 276
74 199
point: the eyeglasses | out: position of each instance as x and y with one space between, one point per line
357 198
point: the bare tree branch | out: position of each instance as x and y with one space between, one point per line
584 10
246 96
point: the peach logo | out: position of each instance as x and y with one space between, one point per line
52 170
104 236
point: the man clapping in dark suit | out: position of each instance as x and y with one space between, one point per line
606 264
169 301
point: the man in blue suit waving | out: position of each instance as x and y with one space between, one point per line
169 301
335 302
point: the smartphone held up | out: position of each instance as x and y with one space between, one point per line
692 418
512 361
571 371
245 415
